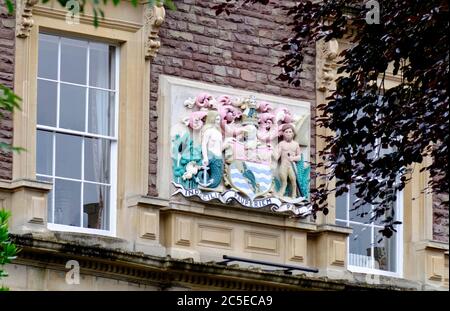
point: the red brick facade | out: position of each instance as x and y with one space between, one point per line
7 29
236 51
440 218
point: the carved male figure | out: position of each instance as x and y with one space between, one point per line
289 152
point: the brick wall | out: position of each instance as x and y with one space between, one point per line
7 25
440 217
235 50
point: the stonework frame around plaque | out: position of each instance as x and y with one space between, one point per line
230 145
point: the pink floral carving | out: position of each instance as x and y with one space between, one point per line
204 100
228 114
264 117
224 100
264 106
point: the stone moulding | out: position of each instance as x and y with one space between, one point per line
24 17
167 272
153 19
326 52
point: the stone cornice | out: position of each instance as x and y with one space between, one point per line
334 229
88 19
431 244
153 18
26 183
166 271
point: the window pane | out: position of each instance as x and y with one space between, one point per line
363 213
67 202
96 206
385 252
48 57
101 65
44 152
387 214
97 159
341 223
342 206
72 107
46 102
68 156
101 112
73 60
360 246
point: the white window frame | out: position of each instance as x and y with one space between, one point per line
399 239
112 139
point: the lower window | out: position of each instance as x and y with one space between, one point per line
368 250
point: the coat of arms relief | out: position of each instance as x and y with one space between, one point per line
242 149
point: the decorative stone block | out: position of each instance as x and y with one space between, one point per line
298 248
435 268
258 242
215 236
149 226
338 253
38 210
183 231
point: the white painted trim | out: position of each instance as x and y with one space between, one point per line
73 132
357 269
114 151
74 179
65 228
80 85
86 116
400 241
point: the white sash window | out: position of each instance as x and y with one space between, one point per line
77 120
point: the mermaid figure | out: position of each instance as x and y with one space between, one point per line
212 170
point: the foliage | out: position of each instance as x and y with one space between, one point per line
184 151
97 6
8 250
379 132
8 102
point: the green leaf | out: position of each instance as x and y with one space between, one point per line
170 5
95 17
8 100
10 6
8 147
